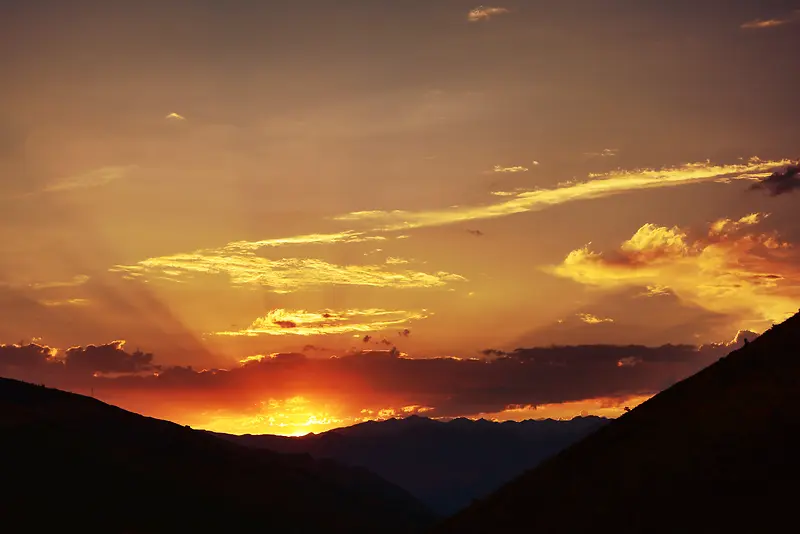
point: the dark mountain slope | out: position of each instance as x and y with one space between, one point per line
76 463
446 465
717 452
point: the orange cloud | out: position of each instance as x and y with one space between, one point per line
293 393
588 318
761 24
74 282
282 322
598 186
514 169
67 302
282 276
752 276
94 178
482 13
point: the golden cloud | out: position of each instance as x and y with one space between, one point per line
309 239
74 282
598 186
281 322
284 275
516 168
175 117
482 13
760 24
66 302
95 178
588 318
753 276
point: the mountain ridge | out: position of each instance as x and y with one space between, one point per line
444 464
117 471
712 453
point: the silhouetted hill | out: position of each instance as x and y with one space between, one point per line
444 464
717 452
80 465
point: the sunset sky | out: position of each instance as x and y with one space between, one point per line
308 213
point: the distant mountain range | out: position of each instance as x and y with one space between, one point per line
444 464
70 463
717 452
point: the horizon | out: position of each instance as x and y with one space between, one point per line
284 218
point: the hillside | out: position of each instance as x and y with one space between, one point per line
444 464
716 452
76 463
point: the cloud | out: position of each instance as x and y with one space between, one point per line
66 302
518 168
780 182
605 153
729 270
88 361
269 389
309 239
175 117
588 318
482 13
76 281
476 233
742 336
106 359
598 186
96 178
762 24
283 275
280 322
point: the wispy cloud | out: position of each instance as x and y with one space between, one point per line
598 186
95 178
76 281
282 275
65 302
281 322
175 117
605 153
588 318
482 13
728 270
761 24
309 239
516 168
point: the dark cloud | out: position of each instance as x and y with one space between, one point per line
780 182
451 386
108 358
404 333
494 352
24 356
367 339
476 233
286 324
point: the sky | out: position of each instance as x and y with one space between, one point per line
282 217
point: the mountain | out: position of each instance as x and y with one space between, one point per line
74 463
716 452
444 464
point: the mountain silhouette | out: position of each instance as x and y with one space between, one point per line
76 464
716 452
444 464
